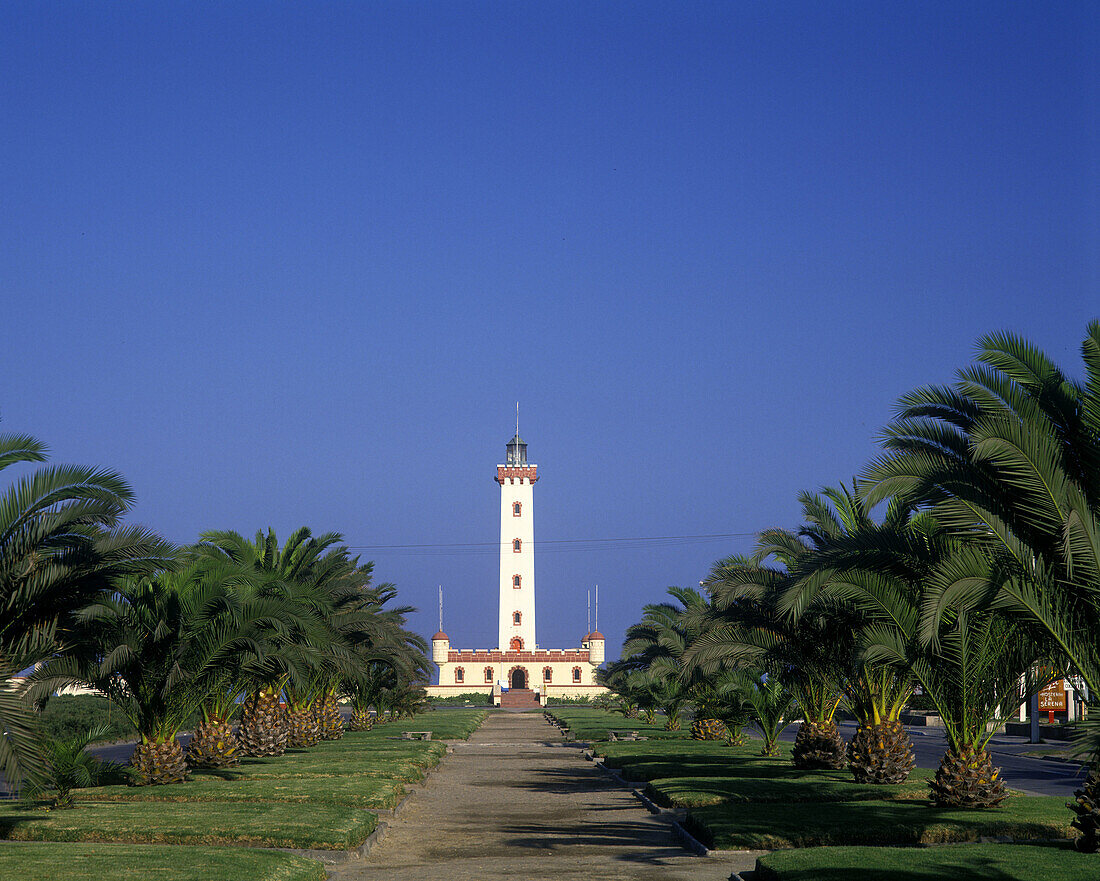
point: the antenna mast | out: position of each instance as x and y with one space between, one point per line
441 608
596 619
589 611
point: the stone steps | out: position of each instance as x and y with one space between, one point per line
519 699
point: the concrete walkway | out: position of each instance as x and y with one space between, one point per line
515 802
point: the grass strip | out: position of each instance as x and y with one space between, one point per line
329 827
35 861
445 724
359 791
594 725
769 826
695 758
365 753
1005 862
822 786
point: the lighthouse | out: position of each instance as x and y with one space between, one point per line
518 673
516 609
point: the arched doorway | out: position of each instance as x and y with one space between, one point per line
519 678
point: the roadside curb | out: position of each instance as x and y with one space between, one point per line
340 857
671 816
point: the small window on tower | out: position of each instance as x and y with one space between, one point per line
460 674
547 674
576 674
517 581
517 545
517 617
488 674
517 508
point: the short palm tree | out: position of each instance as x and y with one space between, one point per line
655 647
1010 455
296 570
70 766
976 658
771 703
837 527
61 546
155 647
746 631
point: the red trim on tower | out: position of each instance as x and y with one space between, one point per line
514 472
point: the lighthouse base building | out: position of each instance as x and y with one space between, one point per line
518 672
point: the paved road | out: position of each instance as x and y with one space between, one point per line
1034 776
515 802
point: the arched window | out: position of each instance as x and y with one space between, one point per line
516 645
547 674
517 581
517 508
576 674
517 545
517 617
488 674
460 675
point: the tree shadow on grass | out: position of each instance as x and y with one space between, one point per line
991 862
897 823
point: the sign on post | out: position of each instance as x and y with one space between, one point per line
1052 699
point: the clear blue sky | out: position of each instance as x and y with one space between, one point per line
293 263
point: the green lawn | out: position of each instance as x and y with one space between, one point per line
687 792
352 790
768 826
445 724
739 800
34 861
593 725
360 753
1004 862
305 799
331 827
653 760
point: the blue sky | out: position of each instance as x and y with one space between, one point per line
287 264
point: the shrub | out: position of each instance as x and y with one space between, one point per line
68 716
477 698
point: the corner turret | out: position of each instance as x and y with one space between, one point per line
441 646
596 645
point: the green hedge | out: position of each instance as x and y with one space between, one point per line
67 716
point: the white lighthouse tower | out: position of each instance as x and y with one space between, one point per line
516 629
518 673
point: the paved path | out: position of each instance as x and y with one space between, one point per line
515 802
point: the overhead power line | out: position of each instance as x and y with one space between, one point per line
556 545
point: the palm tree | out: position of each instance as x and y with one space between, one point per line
1010 455
655 646
770 702
156 647
69 767
61 546
298 573
837 523
265 618
745 630
974 661
389 655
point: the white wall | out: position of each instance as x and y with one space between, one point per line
522 600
